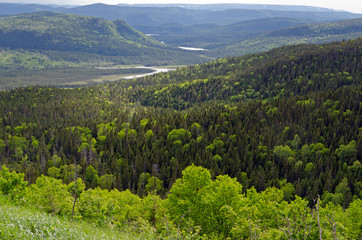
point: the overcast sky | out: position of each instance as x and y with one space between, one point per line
348 5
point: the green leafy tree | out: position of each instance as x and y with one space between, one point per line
209 204
154 185
54 172
50 195
12 183
347 153
283 152
188 195
76 188
70 172
91 177
106 181
354 213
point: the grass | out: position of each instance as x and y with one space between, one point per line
63 76
23 223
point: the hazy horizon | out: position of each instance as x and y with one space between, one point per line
354 6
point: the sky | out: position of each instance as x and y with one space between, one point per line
347 5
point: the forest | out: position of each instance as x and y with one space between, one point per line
263 146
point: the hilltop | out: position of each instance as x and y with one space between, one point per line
71 33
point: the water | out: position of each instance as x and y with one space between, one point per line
154 69
192 49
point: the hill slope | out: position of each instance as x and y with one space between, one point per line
60 32
321 29
207 35
18 222
53 40
154 16
311 33
291 114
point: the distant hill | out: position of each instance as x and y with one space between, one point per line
310 33
186 14
15 8
322 29
225 6
61 32
202 35
154 16
50 31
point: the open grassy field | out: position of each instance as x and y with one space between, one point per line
18 222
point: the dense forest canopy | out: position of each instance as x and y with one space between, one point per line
291 114
73 38
259 146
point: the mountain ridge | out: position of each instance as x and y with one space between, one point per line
158 15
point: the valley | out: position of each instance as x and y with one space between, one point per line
180 121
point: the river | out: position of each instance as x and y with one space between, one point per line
154 69
192 49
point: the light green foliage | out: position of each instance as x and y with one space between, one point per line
216 146
88 143
340 193
149 134
106 181
55 161
314 152
103 130
127 132
70 172
283 152
142 181
144 122
217 158
34 143
309 167
91 177
288 190
196 205
18 222
307 103
188 195
225 193
207 203
154 211
50 195
295 220
54 172
256 214
154 185
354 213
18 142
103 206
12 183
196 130
335 222
286 133
347 153
76 188
178 135
272 111
295 143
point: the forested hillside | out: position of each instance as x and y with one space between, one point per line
208 35
281 125
65 35
232 116
293 35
